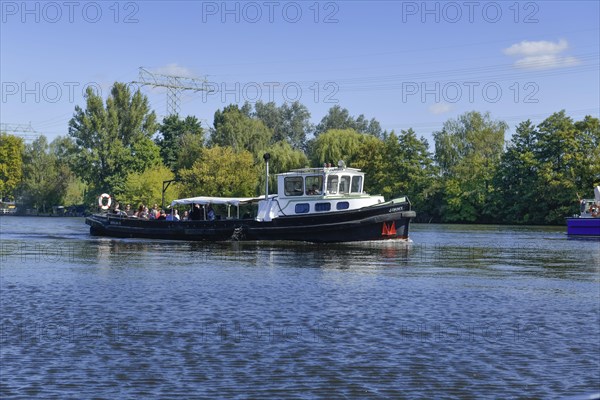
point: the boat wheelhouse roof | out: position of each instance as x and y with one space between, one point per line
322 170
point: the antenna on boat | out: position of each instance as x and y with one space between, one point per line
267 156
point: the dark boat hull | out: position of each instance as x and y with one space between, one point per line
382 222
583 226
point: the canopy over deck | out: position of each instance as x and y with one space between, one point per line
203 200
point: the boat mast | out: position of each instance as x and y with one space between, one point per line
267 156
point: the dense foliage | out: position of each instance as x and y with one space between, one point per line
177 134
11 165
222 172
470 175
546 168
110 142
467 151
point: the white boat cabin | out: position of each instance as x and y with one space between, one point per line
317 190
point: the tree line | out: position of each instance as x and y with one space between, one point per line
471 175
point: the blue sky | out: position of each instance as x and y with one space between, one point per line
406 63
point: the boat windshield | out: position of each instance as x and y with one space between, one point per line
356 184
314 185
332 184
293 186
345 184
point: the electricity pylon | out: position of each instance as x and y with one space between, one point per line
22 130
174 84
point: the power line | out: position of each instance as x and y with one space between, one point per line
24 131
175 85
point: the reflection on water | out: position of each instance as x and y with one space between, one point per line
463 311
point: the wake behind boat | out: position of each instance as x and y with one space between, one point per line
325 204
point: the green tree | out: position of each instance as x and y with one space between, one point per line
335 145
569 163
336 118
468 151
546 168
45 178
397 166
371 158
369 127
114 140
190 146
11 165
146 187
289 123
515 178
171 139
271 116
412 168
63 149
284 157
340 118
570 148
221 171
75 191
587 169
233 128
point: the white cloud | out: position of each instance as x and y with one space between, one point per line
541 54
542 47
174 69
440 108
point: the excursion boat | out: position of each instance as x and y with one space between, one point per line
325 204
587 223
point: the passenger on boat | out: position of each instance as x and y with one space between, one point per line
196 214
117 210
128 210
173 216
144 213
154 212
314 190
162 215
210 213
185 216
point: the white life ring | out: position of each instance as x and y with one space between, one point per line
101 201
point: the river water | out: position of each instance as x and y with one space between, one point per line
462 311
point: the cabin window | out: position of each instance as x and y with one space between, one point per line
293 186
356 184
322 206
314 185
332 184
342 205
302 208
345 184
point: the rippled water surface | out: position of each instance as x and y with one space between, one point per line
462 311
